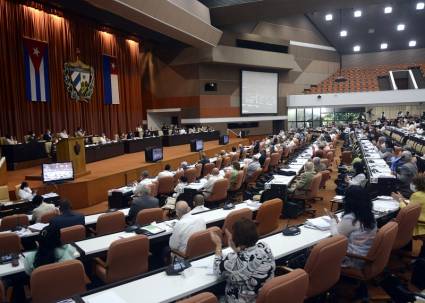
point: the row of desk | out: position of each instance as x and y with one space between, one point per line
414 142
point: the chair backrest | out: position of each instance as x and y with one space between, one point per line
73 234
239 180
198 168
235 157
407 219
177 176
291 287
286 151
325 161
253 178
346 157
147 216
232 217
17 187
268 216
10 243
219 190
54 282
226 161
10 222
200 243
380 251
46 217
330 156
324 264
266 165
4 193
190 174
274 159
314 186
110 223
218 162
204 297
165 185
326 175
127 257
208 167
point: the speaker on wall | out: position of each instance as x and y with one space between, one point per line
210 87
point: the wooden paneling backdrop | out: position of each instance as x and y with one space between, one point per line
64 34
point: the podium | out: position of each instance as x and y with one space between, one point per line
73 150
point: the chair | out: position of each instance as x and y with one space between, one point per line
10 243
126 258
46 217
4 193
323 265
72 234
12 221
377 257
208 167
407 219
346 157
226 161
218 162
219 191
266 165
310 194
268 215
232 217
235 157
200 244
251 180
165 185
274 160
204 297
153 186
147 216
198 168
326 175
291 287
110 223
57 281
190 174
177 176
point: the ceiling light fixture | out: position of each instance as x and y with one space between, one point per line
329 17
401 27
343 33
357 13
420 5
356 48
384 45
412 43
388 10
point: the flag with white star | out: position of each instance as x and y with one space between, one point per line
111 93
37 84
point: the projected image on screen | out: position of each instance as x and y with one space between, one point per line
157 154
259 92
57 172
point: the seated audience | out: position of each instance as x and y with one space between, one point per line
186 226
142 200
63 134
211 179
41 208
10 140
47 136
405 173
236 167
25 192
166 172
198 202
179 189
318 165
30 137
204 160
262 158
67 217
357 224
183 166
304 181
103 139
359 177
144 178
253 166
80 133
50 250
247 267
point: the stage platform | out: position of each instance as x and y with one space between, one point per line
115 172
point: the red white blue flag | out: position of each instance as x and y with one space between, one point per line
110 80
37 84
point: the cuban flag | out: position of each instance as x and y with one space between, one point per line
110 80
37 84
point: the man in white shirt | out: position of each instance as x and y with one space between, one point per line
63 134
199 202
166 172
185 227
144 178
42 208
211 179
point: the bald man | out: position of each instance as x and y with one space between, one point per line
187 225
211 179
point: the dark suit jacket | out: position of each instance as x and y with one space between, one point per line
140 203
67 219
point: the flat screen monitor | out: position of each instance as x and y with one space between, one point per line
224 139
57 172
154 154
196 145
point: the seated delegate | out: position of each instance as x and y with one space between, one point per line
41 208
67 217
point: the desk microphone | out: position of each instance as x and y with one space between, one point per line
291 230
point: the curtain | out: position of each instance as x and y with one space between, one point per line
64 35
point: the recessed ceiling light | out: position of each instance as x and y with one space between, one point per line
384 45
343 33
329 17
356 48
357 13
420 5
412 43
371 31
388 10
401 27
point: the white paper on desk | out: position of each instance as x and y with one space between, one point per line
321 223
38 226
108 296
